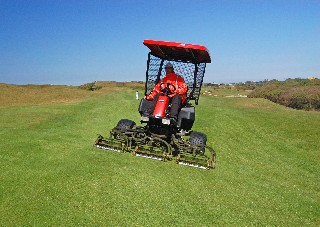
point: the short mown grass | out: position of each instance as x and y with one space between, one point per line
267 172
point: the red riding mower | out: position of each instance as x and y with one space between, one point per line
162 138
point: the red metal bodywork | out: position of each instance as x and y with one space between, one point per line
179 51
161 106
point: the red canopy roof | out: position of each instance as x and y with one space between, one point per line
179 51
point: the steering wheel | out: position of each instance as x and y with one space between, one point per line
167 88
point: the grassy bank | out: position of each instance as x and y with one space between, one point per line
267 173
302 94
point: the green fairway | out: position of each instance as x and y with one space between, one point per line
267 171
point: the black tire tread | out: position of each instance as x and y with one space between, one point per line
125 124
198 138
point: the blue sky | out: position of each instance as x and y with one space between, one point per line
75 42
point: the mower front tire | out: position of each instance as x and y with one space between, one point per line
198 139
125 124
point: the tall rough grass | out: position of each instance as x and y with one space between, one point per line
295 93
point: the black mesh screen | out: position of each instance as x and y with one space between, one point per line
190 72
